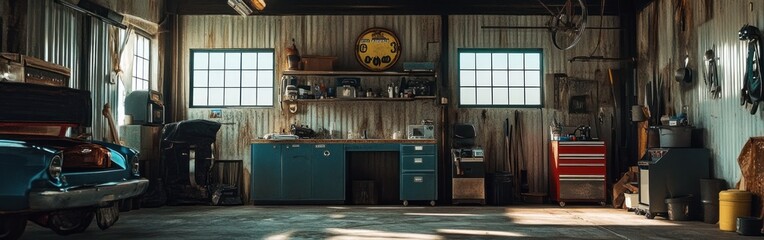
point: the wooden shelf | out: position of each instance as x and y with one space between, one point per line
354 73
363 99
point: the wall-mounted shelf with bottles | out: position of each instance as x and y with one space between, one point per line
354 73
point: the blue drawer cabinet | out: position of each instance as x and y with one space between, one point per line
418 186
266 172
328 173
422 149
418 162
418 173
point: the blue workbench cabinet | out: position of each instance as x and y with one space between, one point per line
418 173
296 163
328 173
266 172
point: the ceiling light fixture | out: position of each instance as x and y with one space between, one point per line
244 7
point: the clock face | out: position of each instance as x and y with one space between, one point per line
377 49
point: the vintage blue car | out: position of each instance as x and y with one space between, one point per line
56 181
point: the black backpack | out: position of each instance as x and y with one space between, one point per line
753 91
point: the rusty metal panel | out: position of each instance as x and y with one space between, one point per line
727 125
465 32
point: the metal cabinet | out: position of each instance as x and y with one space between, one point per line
328 173
578 171
266 172
418 173
296 171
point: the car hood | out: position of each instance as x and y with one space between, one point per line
50 142
46 105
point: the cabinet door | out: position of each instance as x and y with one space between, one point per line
328 176
266 172
296 166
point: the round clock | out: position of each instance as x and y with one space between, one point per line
377 49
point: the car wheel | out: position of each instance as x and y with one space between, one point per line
11 228
70 221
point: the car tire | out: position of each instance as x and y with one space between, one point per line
11 228
70 221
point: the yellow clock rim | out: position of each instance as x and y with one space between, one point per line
374 29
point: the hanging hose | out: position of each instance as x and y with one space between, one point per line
602 20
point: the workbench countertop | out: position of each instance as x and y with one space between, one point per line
319 141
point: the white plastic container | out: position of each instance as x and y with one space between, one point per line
631 200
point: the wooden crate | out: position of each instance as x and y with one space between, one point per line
318 63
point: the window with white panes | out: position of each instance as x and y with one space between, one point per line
500 78
232 77
142 63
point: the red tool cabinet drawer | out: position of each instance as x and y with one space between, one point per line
581 171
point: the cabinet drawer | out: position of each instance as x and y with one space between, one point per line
417 149
581 171
418 186
582 149
418 163
582 187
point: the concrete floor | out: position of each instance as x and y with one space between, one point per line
390 222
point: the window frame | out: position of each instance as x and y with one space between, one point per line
134 78
458 86
230 50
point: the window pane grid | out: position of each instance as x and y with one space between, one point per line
141 63
502 77
245 78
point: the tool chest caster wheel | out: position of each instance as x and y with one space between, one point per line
432 203
405 203
562 204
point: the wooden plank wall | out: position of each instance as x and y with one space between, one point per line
466 32
711 24
335 35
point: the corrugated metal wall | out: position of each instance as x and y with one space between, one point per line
55 35
727 124
466 32
420 35
314 35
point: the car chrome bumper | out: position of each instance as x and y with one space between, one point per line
86 196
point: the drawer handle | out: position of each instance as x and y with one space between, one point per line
296 145
582 179
320 146
417 160
418 148
327 153
418 179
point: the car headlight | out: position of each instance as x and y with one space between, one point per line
136 165
54 169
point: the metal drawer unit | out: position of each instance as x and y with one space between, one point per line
578 171
418 173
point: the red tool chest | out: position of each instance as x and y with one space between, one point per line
577 171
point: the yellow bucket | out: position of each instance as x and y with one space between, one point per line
733 203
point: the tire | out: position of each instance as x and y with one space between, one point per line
649 215
70 221
11 228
